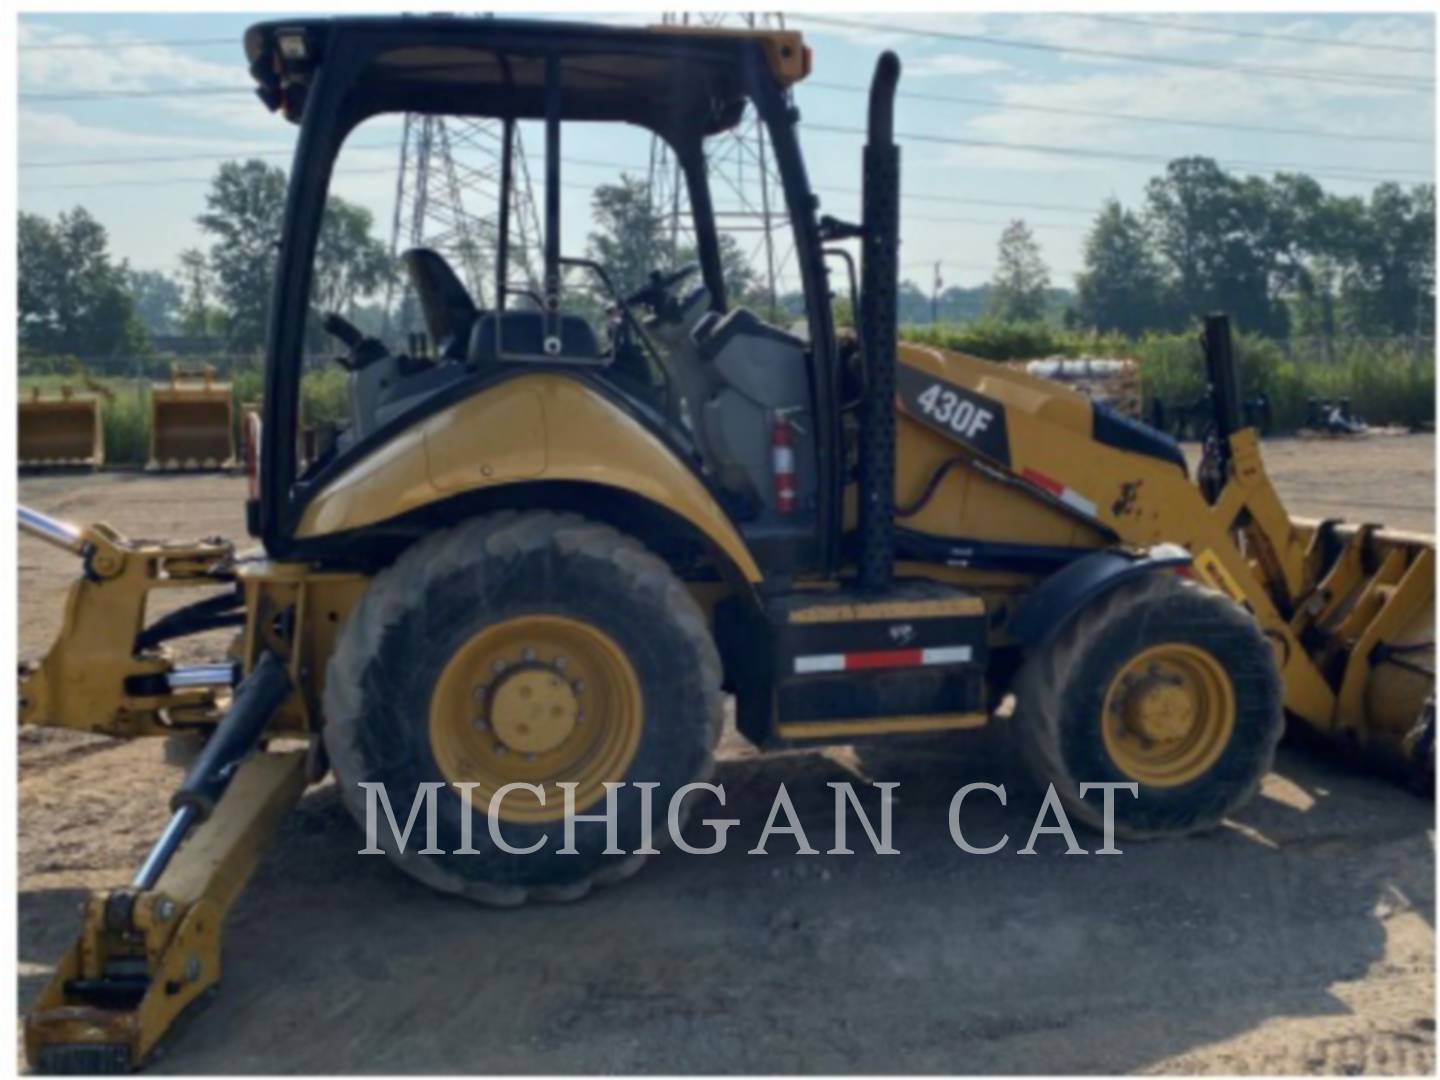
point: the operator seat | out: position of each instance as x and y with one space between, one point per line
444 301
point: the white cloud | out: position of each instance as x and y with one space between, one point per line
954 64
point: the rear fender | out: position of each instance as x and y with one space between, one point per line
533 429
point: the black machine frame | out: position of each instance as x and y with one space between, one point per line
320 83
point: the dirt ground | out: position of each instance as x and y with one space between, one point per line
1299 938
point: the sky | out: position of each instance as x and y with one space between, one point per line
1348 98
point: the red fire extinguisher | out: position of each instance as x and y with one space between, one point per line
782 464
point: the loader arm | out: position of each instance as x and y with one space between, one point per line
1348 611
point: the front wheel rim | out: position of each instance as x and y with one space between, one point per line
1168 715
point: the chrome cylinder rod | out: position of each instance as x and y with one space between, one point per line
52 530
164 848
201 675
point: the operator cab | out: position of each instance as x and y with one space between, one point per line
731 389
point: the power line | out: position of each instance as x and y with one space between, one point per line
1320 171
849 88
1303 74
101 95
179 43
918 197
1263 35
1135 118
1296 73
1337 173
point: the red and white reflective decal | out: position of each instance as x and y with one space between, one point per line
884 658
1069 496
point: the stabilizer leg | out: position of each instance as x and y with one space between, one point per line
148 951
145 954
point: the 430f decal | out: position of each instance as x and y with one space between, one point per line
961 414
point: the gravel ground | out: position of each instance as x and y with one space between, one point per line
1299 938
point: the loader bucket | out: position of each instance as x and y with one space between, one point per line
63 431
1371 628
191 423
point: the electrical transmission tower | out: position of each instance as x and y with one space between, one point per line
448 198
744 186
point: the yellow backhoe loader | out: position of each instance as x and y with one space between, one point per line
541 550
67 430
191 422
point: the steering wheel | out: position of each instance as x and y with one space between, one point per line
655 293
363 351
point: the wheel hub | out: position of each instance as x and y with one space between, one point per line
1160 711
537 699
533 710
1168 714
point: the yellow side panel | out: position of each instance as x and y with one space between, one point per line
513 444
538 427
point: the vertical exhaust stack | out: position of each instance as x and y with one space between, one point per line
879 284
1220 371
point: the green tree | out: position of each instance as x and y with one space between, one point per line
1389 286
742 281
1122 287
349 262
628 239
72 297
1216 236
158 300
1021 279
244 211
197 318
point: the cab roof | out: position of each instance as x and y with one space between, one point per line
660 77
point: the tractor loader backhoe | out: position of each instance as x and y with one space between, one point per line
541 550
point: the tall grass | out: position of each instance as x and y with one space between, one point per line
1386 383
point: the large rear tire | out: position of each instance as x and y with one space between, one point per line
1163 683
523 647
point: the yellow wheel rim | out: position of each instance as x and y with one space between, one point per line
540 699
1168 715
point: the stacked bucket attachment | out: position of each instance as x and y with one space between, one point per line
1114 382
62 431
191 422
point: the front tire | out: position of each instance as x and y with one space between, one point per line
1163 683
535 648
